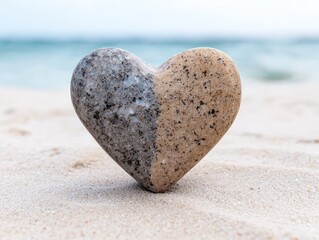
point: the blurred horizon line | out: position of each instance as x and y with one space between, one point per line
168 40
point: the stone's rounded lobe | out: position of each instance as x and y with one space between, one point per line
113 94
199 95
156 123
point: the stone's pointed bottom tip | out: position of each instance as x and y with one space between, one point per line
156 123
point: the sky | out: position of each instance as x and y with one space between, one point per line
161 18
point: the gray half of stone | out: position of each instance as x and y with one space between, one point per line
113 94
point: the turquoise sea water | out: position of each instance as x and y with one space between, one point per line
49 63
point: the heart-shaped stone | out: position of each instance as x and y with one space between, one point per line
156 123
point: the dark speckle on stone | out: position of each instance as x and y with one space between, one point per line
211 111
96 115
187 72
83 74
108 106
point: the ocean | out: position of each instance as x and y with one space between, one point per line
48 64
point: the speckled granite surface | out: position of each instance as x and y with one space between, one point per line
156 123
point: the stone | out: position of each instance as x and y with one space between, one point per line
156 123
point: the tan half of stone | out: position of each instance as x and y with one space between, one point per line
199 93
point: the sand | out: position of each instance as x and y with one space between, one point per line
260 182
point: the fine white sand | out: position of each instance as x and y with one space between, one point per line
260 182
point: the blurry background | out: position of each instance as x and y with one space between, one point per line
271 41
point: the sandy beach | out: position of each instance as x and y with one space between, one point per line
260 182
